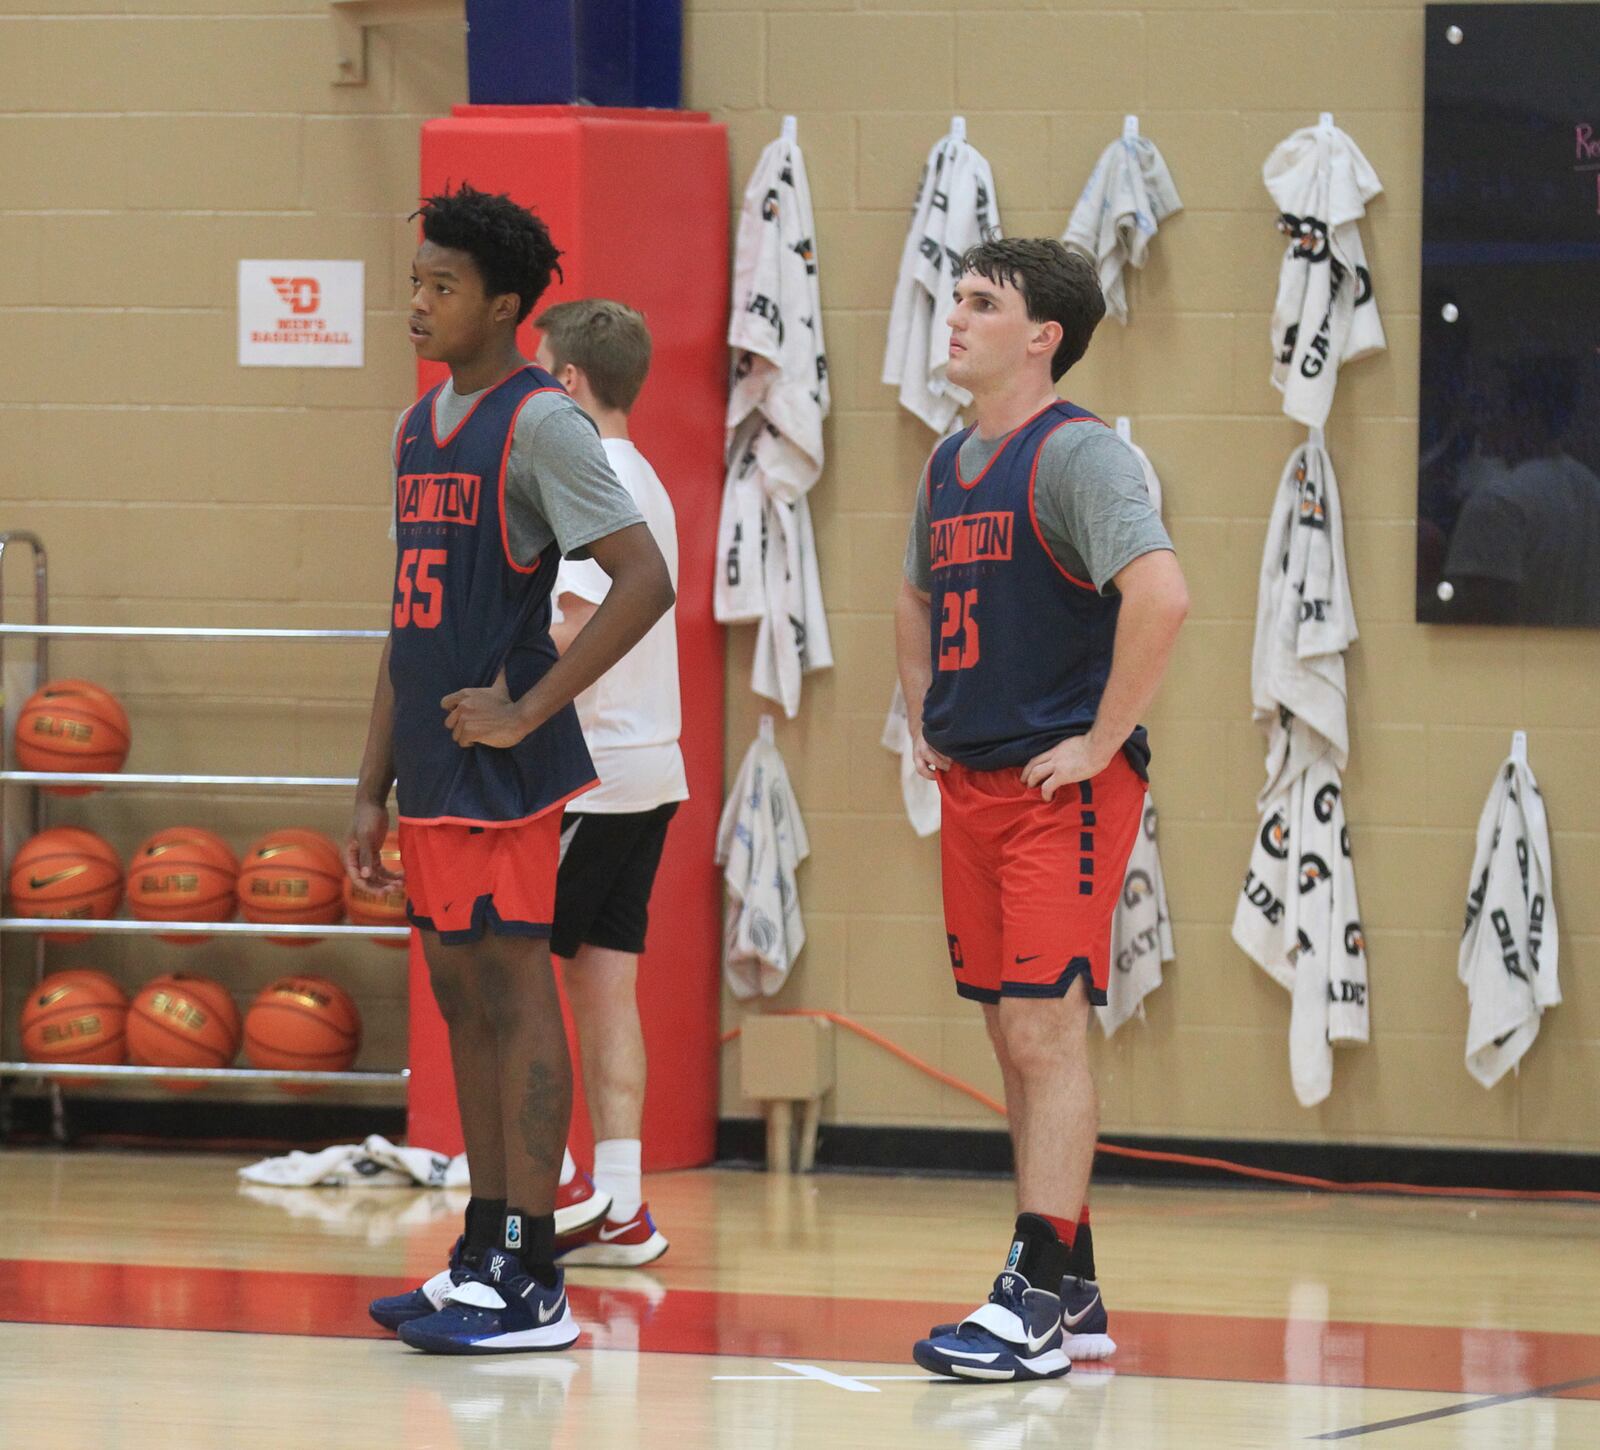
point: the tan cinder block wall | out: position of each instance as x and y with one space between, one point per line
1044 88
152 143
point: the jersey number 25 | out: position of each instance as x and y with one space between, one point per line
958 631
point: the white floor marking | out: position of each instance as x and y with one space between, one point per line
859 1384
828 1377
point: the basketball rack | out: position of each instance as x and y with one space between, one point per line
41 632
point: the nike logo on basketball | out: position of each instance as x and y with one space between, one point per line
38 883
608 1234
1072 1321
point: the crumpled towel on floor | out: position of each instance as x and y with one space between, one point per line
374 1162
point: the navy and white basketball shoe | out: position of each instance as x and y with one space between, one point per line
497 1309
396 1309
1085 1325
1015 1336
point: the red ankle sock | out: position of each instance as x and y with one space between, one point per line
1065 1229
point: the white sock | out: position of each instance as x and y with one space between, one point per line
617 1172
569 1169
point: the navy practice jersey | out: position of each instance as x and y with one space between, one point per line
1021 648
464 609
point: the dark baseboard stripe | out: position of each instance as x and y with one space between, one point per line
182 1123
987 1152
971 1151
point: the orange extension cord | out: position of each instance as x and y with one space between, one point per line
1223 1165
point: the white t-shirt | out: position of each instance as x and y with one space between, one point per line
630 715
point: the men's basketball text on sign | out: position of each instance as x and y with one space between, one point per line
300 314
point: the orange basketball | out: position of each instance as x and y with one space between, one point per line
304 1023
292 875
323 846
75 1016
72 725
183 873
180 1020
65 872
367 906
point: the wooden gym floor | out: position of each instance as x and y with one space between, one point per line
147 1300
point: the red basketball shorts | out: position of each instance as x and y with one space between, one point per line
462 881
1030 886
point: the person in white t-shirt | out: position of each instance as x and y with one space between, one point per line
612 837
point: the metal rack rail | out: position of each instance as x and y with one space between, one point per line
120 926
81 1071
167 632
145 782
41 632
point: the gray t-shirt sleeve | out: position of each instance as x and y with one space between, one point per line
559 484
394 468
918 562
1094 510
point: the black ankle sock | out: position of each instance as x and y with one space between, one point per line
486 1223
532 1238
1080 1257
1037 1253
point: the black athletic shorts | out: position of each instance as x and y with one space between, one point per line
608 867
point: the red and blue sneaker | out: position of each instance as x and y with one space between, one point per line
579 1203
1015 1336
613 1243
396 1309
497 1309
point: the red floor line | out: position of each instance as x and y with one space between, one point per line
666 1320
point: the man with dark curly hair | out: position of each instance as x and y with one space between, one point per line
498 474
1039 607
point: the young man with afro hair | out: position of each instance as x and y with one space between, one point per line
498 474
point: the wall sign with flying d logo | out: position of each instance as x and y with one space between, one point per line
301 314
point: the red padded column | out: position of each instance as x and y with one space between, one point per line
638 201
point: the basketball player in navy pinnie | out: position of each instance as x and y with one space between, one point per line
1040 603
497 475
